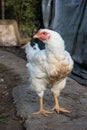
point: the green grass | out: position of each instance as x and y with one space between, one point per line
4 118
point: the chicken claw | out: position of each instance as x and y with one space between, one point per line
43 112
59 109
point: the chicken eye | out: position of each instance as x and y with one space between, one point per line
44 33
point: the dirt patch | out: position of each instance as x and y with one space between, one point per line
8 80
17 50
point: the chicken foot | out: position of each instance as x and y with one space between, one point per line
57 108
42 111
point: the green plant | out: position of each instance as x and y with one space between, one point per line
27 13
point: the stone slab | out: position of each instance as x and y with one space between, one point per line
73 97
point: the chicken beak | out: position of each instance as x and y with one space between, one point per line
36 36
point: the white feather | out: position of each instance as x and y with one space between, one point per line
43 64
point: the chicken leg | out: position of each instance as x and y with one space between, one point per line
57 108
42 111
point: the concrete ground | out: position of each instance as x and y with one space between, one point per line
73 97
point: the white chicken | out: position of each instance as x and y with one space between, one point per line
48 68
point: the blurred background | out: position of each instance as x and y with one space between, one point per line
27 13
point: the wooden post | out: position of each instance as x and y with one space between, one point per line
0 10
3 9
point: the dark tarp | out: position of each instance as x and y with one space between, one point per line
69 18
